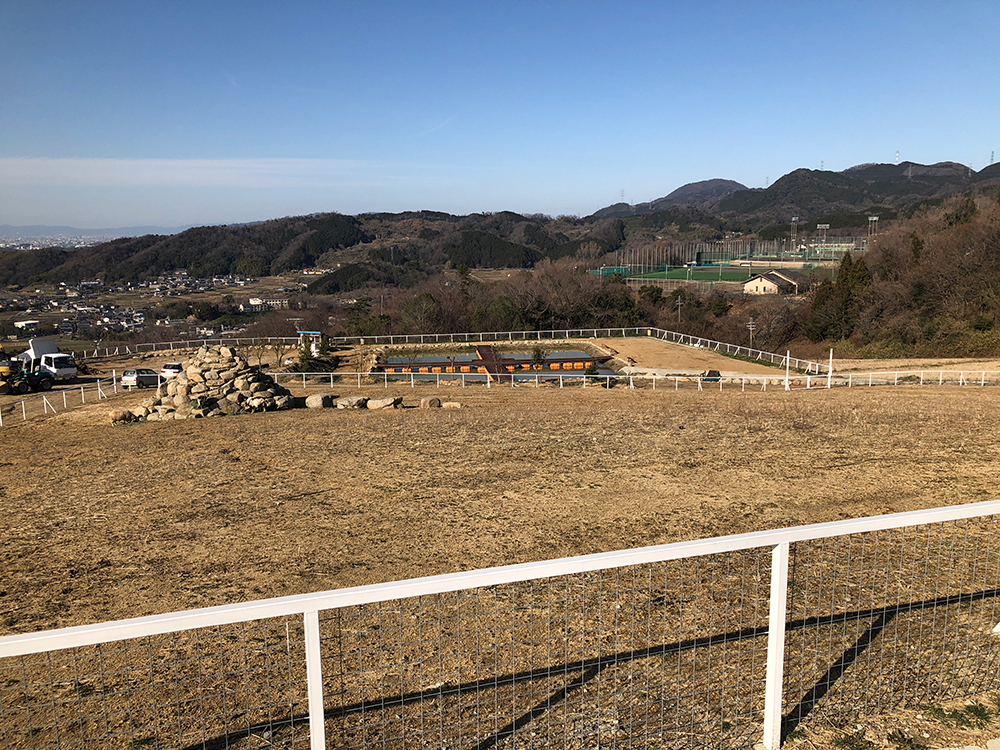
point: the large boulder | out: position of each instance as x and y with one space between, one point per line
430 402
352 402
320 401
390 402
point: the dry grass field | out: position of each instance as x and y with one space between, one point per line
105 522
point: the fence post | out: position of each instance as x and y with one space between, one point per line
314 681
776 646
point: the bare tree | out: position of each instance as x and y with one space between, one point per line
278 331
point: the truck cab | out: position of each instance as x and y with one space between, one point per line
60 366
44 358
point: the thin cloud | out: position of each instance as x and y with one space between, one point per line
232 81
258 173
433 129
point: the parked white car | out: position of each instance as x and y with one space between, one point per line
171 370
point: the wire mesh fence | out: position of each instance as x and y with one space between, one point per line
892 617
659 655
678 646
179 690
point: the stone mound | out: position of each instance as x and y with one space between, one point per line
215 382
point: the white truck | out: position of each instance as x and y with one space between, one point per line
43 356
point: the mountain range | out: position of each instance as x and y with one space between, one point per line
380 249
815 193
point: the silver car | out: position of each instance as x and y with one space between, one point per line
140 378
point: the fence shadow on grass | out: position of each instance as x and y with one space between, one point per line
590 668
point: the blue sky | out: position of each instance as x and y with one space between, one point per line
128 113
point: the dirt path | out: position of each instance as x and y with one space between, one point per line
103 523
663 355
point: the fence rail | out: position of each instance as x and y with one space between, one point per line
56 401
685 339
725 641
52 402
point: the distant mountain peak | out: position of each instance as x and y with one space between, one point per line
697 192
702 194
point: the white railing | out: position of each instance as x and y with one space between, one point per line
62 399
728 640
55 401
685 339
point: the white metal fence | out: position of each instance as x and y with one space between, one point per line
799 365
720 642
55 401
59 400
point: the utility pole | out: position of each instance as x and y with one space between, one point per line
680 303
751 326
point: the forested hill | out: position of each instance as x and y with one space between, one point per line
812 194
383 248
928 287
401 249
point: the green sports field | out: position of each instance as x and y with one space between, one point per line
706 273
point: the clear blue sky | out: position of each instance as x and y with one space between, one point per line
170 113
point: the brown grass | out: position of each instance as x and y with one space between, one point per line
104 523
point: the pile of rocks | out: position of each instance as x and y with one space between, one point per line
215 382
330 400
